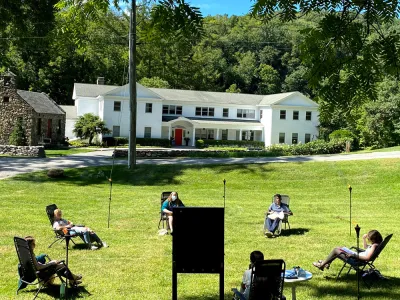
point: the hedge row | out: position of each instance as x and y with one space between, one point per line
226 143
118 141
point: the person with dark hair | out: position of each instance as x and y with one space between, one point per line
246 280
89 235
171 202
275 215
61 268
373 236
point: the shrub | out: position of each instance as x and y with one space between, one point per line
110 141
55 173
200 144
78 143
226 143
18 137
342 134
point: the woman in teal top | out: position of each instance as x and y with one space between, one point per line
172 201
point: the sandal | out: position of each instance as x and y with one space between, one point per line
326 265
318 265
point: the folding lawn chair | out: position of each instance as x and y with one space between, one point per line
29 274
266 281
285 200
163 216
354 263
59 234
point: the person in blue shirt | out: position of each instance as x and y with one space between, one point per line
275 215
172 201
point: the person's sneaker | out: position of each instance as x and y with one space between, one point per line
94 248
104 244
268 234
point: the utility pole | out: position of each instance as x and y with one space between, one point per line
132 87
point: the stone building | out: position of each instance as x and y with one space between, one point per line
43 120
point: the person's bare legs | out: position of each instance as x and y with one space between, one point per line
327 261
170 222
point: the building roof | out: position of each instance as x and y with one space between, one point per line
40 102
208 97
70 111
92 90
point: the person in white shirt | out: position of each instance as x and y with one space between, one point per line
89 235
373 236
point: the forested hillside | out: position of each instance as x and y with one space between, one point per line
235 54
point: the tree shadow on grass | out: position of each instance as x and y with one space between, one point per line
54 291
146 175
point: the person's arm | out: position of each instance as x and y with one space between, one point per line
40 266
164 208
366 255
288 211
58 226
365 236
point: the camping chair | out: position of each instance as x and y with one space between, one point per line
354 264
266 281
29 275
59 234
285 200
163 216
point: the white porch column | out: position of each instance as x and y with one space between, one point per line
169 131
194 136
262 135
240 134
217 135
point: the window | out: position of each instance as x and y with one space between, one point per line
225 112
205 111
295 115
6 99
295 138
224 134
246 113
172 110
117 105
149 107
116 131
261 113
283 115
39 126
281 138
307 138
210 134
147 132
308 115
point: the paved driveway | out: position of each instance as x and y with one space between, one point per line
13 166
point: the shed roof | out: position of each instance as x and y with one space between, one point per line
40 102
92 90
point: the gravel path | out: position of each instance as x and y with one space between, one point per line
13 166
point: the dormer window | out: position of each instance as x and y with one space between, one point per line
6 99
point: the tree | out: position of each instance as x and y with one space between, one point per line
349 50
154 82
88 126
18 137
233 89
269 80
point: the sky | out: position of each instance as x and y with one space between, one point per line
221 7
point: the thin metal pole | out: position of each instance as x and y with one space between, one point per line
350 189
132 87
357 228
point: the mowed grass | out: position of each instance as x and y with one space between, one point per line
137 265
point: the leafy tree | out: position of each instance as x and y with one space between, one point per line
154 82
233 89
18 137
88 126
269 80
349 50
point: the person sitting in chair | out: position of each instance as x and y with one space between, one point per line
275 215
246 280
61 268
89 235
172 201
374 236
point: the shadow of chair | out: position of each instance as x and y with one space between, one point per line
266 281
29 274
163 217
357 264
59 234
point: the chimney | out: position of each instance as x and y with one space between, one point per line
100 80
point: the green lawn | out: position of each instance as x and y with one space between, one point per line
66 152
137 265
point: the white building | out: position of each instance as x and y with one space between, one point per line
287 118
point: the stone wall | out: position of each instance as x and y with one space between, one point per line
35 151
159 153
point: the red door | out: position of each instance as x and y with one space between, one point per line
178 137
49 126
